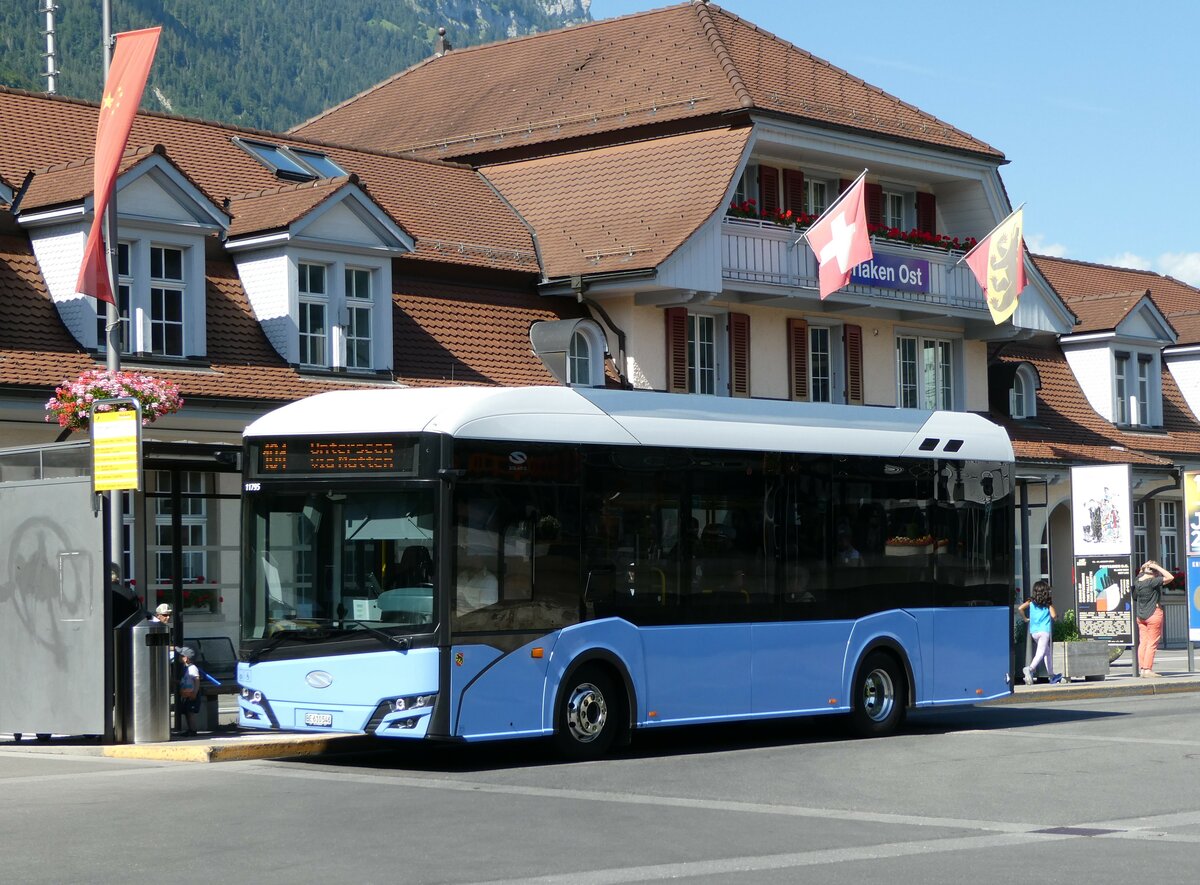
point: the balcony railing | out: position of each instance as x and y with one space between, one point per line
766 255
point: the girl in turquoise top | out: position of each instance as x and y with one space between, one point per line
1040 613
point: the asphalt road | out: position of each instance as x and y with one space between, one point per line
1081 791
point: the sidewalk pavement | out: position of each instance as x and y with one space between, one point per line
1171 664
229 744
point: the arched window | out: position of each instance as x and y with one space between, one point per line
1022 396
579 360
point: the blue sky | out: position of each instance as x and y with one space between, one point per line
1095 103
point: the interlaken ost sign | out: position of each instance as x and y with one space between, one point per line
893 272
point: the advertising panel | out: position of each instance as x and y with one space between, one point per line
1191 507
1100 510
1102 588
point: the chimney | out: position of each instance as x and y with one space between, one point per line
443 45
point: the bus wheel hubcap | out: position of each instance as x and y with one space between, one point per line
879 695
587 713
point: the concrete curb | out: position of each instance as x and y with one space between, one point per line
1143 687
275 747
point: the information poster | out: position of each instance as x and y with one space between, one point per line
1102 588
116 450
1191 506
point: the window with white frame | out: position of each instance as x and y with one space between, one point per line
820 365
579 360
193 517
160 298
893 210
166 301
124 284
702 353
924 372
358 316
1136 389
313 315
1022 396
1143 390
816 196
1140 548
1168 535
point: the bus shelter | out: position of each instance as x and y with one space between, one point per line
68 605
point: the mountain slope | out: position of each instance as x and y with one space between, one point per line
265 64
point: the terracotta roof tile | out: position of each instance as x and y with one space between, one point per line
278 207
451 212
1076 279
68 183
1105 311
471 335
682 62
625 207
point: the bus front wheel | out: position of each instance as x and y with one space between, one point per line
880 696
589 712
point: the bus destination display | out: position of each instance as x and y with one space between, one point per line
313 457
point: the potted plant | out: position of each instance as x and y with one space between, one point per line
71 405
1076 655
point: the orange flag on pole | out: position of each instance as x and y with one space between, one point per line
132 57
840 239
998 262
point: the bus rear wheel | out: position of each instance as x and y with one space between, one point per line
589 714
880 696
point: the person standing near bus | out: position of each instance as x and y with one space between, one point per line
189 689
1039 613
1147 598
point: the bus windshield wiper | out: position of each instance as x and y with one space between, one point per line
396 643
284 636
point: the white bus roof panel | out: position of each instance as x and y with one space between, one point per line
624 417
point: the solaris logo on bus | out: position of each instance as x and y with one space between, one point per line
71 405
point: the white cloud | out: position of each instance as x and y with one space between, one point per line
1183 266
1130 260
1038 246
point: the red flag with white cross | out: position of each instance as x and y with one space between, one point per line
839 238
127 74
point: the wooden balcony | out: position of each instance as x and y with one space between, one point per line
762 258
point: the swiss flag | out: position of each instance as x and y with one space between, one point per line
840 239
123 89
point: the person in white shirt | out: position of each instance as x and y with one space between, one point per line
477 586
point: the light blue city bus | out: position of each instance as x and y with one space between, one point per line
472 564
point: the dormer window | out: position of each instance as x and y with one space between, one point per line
161 310
1135 389
314 313
358 318
291 163
1022 396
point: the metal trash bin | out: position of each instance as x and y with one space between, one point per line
151 679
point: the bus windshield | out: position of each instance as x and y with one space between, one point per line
326 562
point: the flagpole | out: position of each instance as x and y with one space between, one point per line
983 239
112 339
830 208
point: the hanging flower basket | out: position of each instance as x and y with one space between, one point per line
71 404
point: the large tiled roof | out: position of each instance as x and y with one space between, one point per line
1076 280
625 207
1067 429
453 214
671 65
470 335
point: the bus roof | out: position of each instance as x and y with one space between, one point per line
631 417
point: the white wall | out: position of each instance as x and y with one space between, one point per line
1092 369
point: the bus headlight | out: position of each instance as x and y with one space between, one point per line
413 702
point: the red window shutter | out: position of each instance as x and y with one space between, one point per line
739 354
844 185
768 190
926 212
797 332
874 204
677 349
852 336
793 190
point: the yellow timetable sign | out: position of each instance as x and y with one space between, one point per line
115 451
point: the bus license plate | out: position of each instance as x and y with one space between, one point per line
323 719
